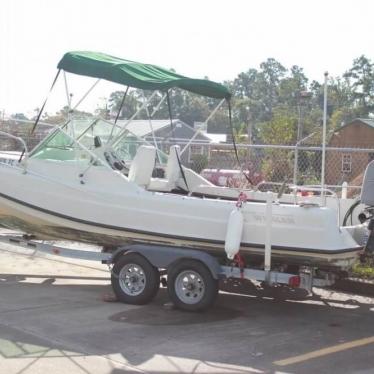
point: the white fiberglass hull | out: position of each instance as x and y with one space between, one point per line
107 210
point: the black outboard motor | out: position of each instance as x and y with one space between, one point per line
367 198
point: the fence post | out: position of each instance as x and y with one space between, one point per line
344 190
324 127
268 222
295 167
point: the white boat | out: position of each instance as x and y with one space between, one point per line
74 185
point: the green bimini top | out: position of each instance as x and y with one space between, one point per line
135 74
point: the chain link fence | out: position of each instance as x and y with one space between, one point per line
271 166
265 166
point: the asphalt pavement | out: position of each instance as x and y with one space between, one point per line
53 319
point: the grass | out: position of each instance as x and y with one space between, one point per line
364 269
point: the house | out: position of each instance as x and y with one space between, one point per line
346 165
165 135
214 137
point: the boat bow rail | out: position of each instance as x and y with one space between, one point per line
24 145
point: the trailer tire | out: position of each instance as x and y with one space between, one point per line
191 286
134 279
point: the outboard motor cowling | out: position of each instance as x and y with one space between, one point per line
367 198
367 192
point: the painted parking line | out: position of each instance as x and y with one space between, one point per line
325 351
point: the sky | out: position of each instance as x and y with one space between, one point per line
198 38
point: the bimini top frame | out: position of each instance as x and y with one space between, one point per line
132 74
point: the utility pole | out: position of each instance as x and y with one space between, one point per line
324 128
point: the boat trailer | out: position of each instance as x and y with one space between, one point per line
191 276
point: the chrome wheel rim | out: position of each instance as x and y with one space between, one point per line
189 287
132 279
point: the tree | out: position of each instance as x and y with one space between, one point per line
281 129
244 85
361 74
62 115
291 88
256 94
19 116
185 106
272 72
130 106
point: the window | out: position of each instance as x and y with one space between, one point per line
195 150
346 163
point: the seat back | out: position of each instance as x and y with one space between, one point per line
142 165
172 172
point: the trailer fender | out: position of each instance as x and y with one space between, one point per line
164 257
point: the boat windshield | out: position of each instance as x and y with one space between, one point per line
79 138
74 140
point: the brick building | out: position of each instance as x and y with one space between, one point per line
348 164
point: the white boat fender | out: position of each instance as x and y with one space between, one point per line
234 230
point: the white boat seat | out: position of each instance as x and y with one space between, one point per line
172 173
142 165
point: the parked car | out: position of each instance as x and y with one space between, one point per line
232 178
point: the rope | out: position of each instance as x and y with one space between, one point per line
242 198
